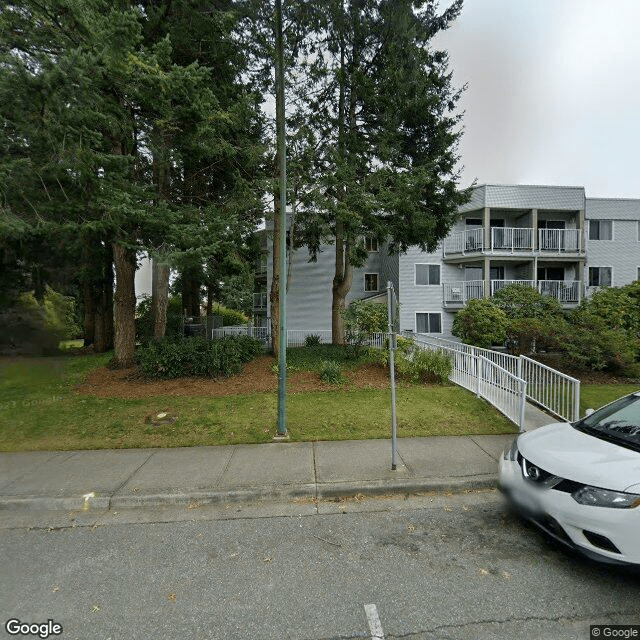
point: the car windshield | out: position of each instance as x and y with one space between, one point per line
618 422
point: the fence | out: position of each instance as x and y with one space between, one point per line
482 375
553 390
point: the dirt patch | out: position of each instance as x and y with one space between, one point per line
257 377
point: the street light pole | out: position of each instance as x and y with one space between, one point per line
282 292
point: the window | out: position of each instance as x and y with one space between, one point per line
600 229
370 281
473 222
638 275
427 274
599 276
371 245
428 323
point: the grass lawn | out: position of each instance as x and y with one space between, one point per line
593 396
39 410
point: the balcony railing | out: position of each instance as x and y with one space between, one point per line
559 240
457 294
469 241
259 301
513 240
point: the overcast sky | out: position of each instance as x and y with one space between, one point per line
553 92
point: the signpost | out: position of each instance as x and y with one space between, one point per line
391 314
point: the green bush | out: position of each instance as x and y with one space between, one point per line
423 365
481 323
413 363
312 341
185 357
330 371
230 317
591 343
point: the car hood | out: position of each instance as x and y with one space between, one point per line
568 453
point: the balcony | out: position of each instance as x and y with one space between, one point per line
513 241
457 294
260 301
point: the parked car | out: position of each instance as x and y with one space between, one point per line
580 482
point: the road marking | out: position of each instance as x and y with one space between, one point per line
374 622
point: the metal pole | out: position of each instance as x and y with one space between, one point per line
282 293
392 373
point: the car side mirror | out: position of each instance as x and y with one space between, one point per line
588 412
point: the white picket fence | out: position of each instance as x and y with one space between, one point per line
554 391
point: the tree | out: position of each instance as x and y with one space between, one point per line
111 137
381 115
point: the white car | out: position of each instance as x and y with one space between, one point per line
580 482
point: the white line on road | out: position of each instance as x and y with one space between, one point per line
374 622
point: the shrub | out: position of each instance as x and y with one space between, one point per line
591 343
361 319
184 357
230 317
423 365
523 301
312 341
481 323
330 371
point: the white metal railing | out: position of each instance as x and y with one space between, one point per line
564 291
496 285
501 388
511 239
469 241
551 389
559 240
260 333
462 291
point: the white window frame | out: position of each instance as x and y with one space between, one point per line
427 264
370 243
600 220
377 275
428 313
599 267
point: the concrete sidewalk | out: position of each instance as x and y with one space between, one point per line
121 478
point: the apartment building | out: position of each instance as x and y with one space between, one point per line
549 237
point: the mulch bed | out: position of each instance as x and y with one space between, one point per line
257 377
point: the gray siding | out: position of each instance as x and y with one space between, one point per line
423 298
309 295
612 209
622 253
527 197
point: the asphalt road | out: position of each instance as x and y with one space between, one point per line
430 567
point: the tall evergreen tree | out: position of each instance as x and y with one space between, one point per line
382 115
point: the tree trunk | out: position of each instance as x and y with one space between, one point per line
342 281
159 297
89 314
125 306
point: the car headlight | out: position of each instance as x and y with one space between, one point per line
512 452
596 497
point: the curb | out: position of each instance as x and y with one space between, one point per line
320 491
